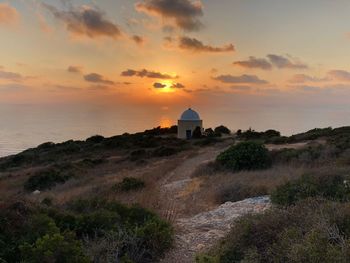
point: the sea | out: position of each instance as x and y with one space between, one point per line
26 126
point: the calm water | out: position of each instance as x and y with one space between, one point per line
25 126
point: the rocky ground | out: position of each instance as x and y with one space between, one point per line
198 233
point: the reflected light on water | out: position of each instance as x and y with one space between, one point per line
166 122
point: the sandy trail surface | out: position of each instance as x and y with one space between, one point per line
197 233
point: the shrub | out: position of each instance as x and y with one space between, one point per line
54 248
245 156
250 134
129 184
95 139
86 230
309 232
328 186
222 130
45 180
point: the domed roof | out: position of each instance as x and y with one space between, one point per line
190 115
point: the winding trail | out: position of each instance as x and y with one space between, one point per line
197 233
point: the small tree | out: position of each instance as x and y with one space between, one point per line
248 155
222 129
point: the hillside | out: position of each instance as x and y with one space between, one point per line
88 189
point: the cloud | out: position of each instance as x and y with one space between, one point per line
10 76
58 87
148 74
8 15
241 88
340 75
271 61
194 45
158 85
138 39
177 86
13 87
97 78
240 79
86 21
253 62
301 78
74 69
283 62
185 13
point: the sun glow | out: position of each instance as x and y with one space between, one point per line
168 86
165 122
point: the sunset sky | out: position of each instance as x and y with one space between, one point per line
267 58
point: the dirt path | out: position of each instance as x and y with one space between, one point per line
199 232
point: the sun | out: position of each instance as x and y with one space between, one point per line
168 87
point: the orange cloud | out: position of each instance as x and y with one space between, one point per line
196 46
148 74
86 21
8 15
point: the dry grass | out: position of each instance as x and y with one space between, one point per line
216 182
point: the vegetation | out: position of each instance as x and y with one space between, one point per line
312 231
308 183
329 186
46 179
310 222
267 136
31 233
245 156
66 152
222 130
130 184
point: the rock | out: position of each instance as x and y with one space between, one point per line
36 192
205 229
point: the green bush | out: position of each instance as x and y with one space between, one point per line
248 155
83 231
312 231
328 186
130 184
54 248
46 180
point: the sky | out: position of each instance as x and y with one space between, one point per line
255 62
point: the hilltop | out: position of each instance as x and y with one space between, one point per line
186 199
